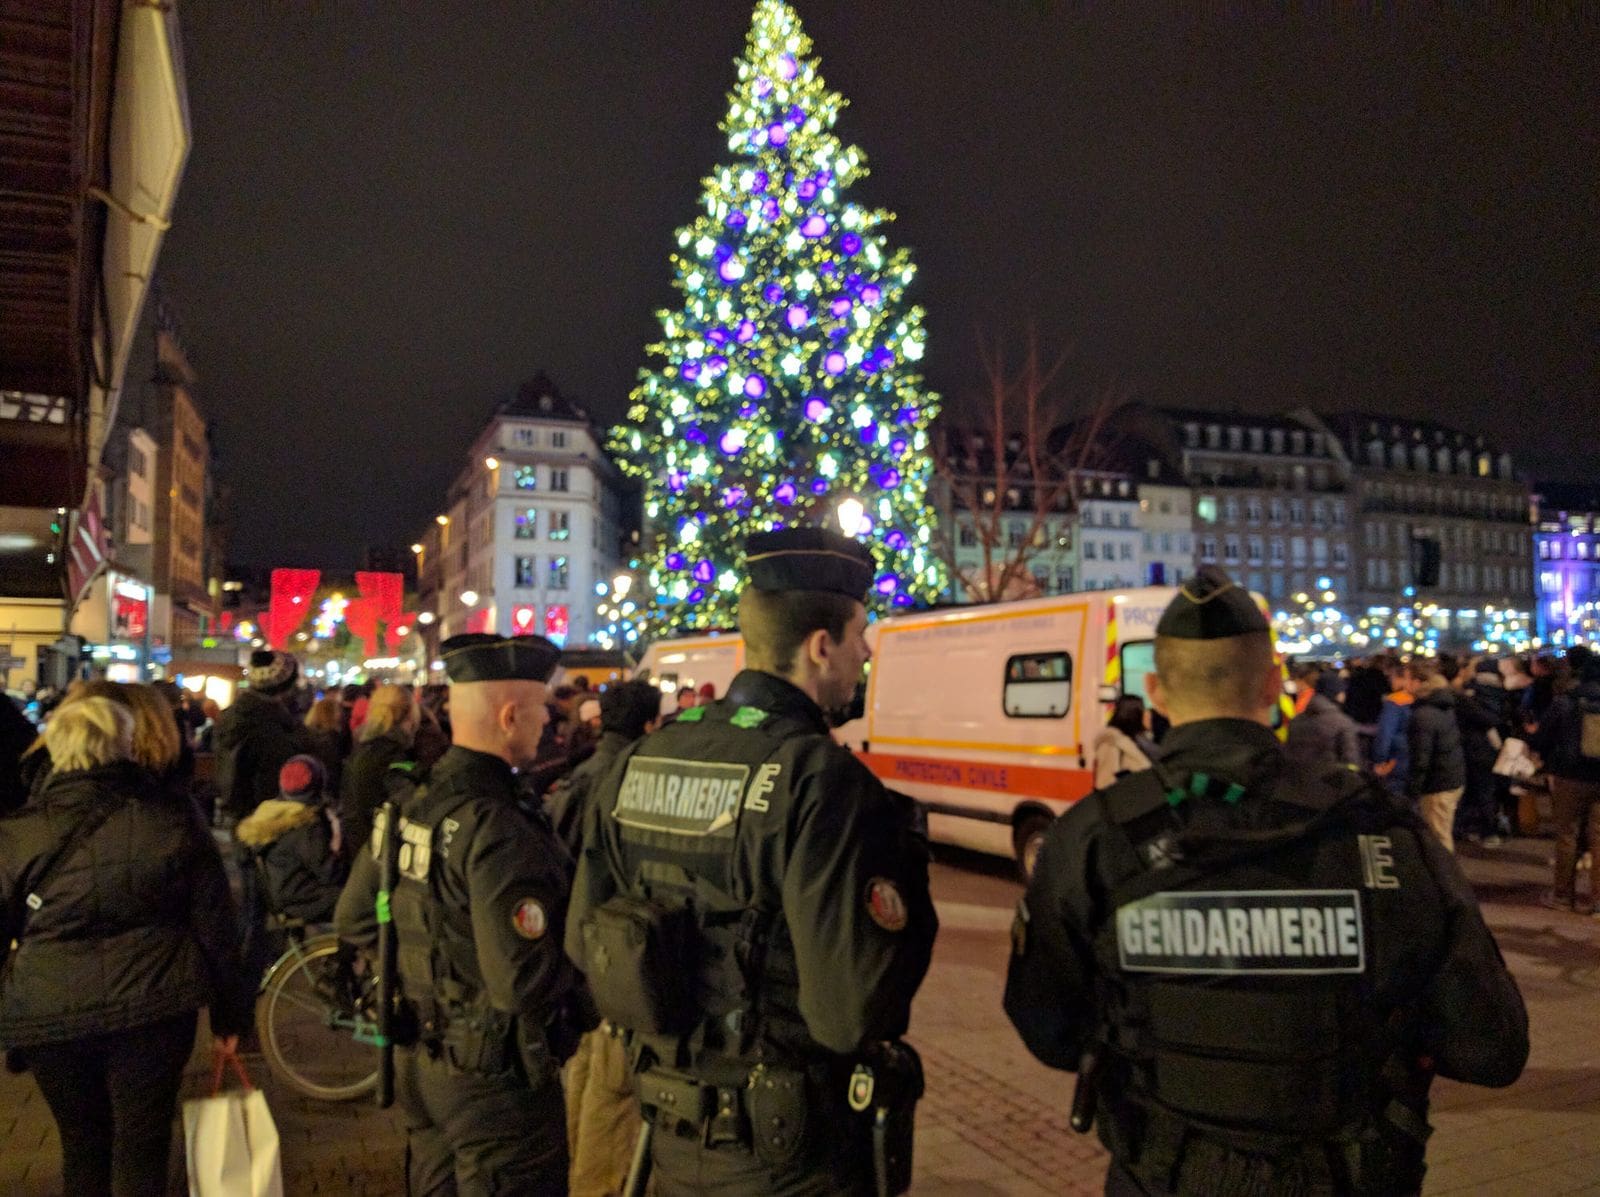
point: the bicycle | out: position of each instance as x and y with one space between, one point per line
316 1021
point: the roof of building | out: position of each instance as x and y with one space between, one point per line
1355 425
540 399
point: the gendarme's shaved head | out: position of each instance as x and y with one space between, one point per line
1227 677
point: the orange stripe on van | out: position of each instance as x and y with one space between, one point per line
1024 781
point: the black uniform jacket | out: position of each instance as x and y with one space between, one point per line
1427 941
827 845
499 881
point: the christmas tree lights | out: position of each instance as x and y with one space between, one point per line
785 389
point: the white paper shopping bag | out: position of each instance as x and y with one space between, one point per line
231 1141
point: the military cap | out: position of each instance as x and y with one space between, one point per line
480 657
809 559
1211 606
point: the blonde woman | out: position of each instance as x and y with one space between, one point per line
133 932
324 736
385 738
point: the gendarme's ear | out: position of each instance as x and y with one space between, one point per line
1158 695
817 647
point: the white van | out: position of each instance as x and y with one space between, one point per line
986 715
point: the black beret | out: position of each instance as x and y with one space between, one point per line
809 559
480 657
1211 606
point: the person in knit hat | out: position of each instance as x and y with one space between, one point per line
296 840
252 741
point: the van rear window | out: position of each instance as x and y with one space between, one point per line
1038 685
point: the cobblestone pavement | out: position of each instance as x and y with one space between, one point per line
994 1121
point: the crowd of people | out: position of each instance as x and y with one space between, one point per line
1434 732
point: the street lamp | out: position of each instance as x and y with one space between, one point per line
469 597
417 549
491 463
441 520
425 618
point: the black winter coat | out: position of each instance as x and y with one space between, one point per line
1437 763
294 844
1559 739
138 926
1480 710
252 740
361 790
568 800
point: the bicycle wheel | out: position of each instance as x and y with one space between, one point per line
315 1042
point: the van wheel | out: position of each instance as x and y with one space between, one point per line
1027 840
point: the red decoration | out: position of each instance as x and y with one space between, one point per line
382 595
292 591
478 621
394 635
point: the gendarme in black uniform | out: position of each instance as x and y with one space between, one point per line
478 912
786 894
1266 967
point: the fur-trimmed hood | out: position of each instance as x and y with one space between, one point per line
272 819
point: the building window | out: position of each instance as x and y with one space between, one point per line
558 439
559 574
1275 511
1014 534
1297 443
558 479
1126 551
1230 549
1089 550
1235 439
1230 510
1108 550
967 537
1341 555
1255 440
1297 551
1297 512
1208 548
1277 440
1319 551
1276 548
1252 509
560 525
527 523
525 478
1253 547
524 572
526 438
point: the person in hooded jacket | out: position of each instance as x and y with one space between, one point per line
1572 759
257 734
297 844
1391 743
132 932
1320 732
1438 770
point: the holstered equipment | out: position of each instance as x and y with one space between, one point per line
640 959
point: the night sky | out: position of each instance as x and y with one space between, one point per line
395 212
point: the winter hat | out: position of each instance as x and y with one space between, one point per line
708 692
302 779
272 672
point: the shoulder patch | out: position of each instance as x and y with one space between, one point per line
748 717
529 919
885 905
692 715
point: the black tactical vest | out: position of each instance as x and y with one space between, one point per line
679 813
437 970
1237 995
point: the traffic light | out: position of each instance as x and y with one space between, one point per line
1425 561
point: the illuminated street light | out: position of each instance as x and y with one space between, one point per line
469 597
441 520
491 463
425 618
416 548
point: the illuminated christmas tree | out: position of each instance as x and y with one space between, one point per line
786 388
